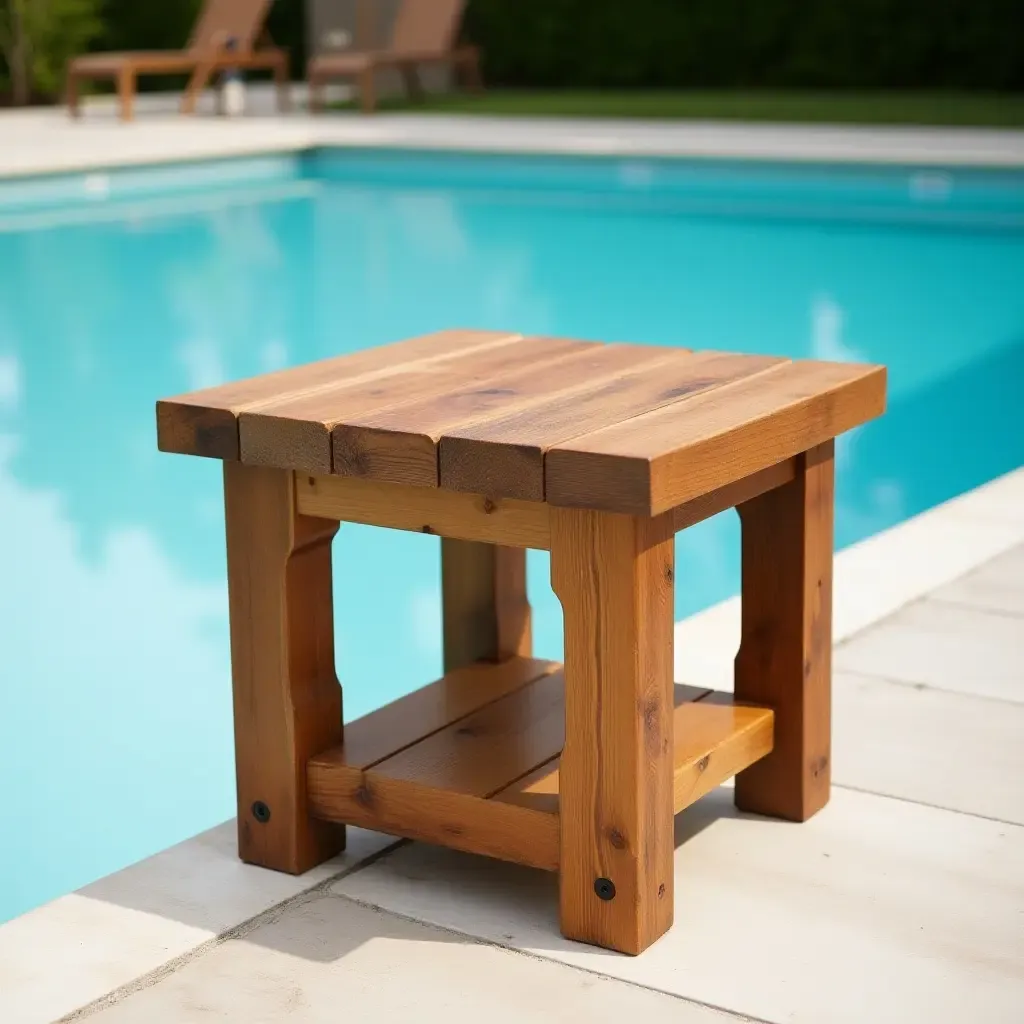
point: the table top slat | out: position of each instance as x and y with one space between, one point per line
400 444
295 432
655 461
503 454
205 422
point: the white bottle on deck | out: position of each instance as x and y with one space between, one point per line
232 90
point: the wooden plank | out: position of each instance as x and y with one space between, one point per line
614 578
482 753
714 739
295 431
503 454
425 510
661 459
785 655
539 789
401 444
205 422
485 609
399 807
698 509
287 701
425 711
437 788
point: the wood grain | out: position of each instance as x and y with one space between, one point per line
287 701
653 462
485 610
714 739
295 431
696 510
614 577
539 789
400 807
423 712
425 510
436 789
401 444
206 422
503 454
785 655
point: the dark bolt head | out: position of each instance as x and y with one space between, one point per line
605 889
261 812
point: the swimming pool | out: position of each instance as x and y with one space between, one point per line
117 288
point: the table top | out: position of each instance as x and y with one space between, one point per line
626 428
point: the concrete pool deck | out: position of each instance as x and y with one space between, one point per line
48 141
901 901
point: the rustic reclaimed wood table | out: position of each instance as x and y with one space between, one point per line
498 443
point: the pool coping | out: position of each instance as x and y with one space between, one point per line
48 141
133 927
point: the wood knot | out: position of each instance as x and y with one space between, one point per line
819 766
669 574
661 891
363 796
426 528
703 763
489 506
616 838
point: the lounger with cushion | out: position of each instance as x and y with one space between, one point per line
228 34
424 32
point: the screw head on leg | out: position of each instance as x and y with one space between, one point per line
605 889
261 812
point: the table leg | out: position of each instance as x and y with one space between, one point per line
485 607
785 655
287 699
614 577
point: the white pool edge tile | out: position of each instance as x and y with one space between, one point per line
103 943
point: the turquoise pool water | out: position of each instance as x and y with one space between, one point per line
115 730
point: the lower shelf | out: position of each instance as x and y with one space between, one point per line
471 761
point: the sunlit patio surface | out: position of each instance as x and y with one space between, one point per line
903 900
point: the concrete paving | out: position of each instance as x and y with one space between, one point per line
46 141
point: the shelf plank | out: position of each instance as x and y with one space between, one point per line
714 740
409 719
471 761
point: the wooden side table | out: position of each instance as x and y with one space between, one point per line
498 443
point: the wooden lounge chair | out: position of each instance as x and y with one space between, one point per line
228 33
424 32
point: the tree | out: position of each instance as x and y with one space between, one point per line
38 36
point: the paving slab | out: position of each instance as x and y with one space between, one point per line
931 746
949 647
874 910
74 950
329 959
995 587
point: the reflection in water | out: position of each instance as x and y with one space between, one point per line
115 692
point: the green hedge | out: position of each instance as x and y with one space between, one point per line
924 44
588 44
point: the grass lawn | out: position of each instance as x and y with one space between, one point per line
923 108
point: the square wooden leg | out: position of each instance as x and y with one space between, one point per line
287 700
485 607
614 577
785 655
